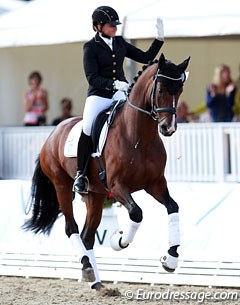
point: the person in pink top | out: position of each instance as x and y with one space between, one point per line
35 102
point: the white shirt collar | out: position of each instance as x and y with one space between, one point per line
108 41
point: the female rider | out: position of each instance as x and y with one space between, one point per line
103 58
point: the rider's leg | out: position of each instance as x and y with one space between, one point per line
83 155
94 105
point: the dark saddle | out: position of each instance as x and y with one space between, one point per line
107 115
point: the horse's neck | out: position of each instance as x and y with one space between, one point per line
141 90
139 124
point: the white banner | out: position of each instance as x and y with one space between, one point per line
209 220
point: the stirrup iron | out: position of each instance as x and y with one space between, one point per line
86 184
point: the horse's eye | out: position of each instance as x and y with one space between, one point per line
160 91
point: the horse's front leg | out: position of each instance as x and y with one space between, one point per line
121 239
160 192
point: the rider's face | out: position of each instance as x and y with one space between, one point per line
109 30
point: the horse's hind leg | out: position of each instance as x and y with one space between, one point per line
94 203
64 194
160 193
121 239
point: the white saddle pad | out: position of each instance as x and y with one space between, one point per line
71 145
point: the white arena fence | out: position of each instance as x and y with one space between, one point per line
197 152
19 148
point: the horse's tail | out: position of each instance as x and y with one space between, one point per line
44 202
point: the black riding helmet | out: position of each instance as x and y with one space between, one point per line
103 15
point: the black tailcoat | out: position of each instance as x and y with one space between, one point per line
103 66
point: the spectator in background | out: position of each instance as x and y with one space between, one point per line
182 112
201 114
238 79
236 106
66 109
35 101
220 95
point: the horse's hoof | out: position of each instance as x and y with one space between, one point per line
168 269
88 275
169 262
115 241
97 286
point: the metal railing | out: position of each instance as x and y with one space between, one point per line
197 152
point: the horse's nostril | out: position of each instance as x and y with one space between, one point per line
164 127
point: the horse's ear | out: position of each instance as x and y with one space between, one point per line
161 62
184 64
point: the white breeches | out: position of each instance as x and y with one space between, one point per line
94 105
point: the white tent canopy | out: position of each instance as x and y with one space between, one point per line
44 22
186 18
6 6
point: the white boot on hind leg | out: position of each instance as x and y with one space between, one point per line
88 272
115 241
120 240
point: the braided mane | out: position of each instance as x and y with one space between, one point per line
144 67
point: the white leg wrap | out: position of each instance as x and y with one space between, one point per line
169 262
90 254
129 233
114 241
78 245
173 229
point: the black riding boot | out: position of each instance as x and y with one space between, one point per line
83 154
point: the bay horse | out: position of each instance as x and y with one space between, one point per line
134 158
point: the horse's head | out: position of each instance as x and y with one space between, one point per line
157 91
166 89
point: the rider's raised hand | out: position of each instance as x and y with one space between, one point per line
120 85
160 29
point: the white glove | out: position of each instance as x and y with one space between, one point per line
160 29
119 85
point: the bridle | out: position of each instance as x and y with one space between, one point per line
155 109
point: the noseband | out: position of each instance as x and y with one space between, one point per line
155 109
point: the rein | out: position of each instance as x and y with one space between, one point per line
155 110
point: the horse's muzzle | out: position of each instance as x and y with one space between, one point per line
168 127
167 131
